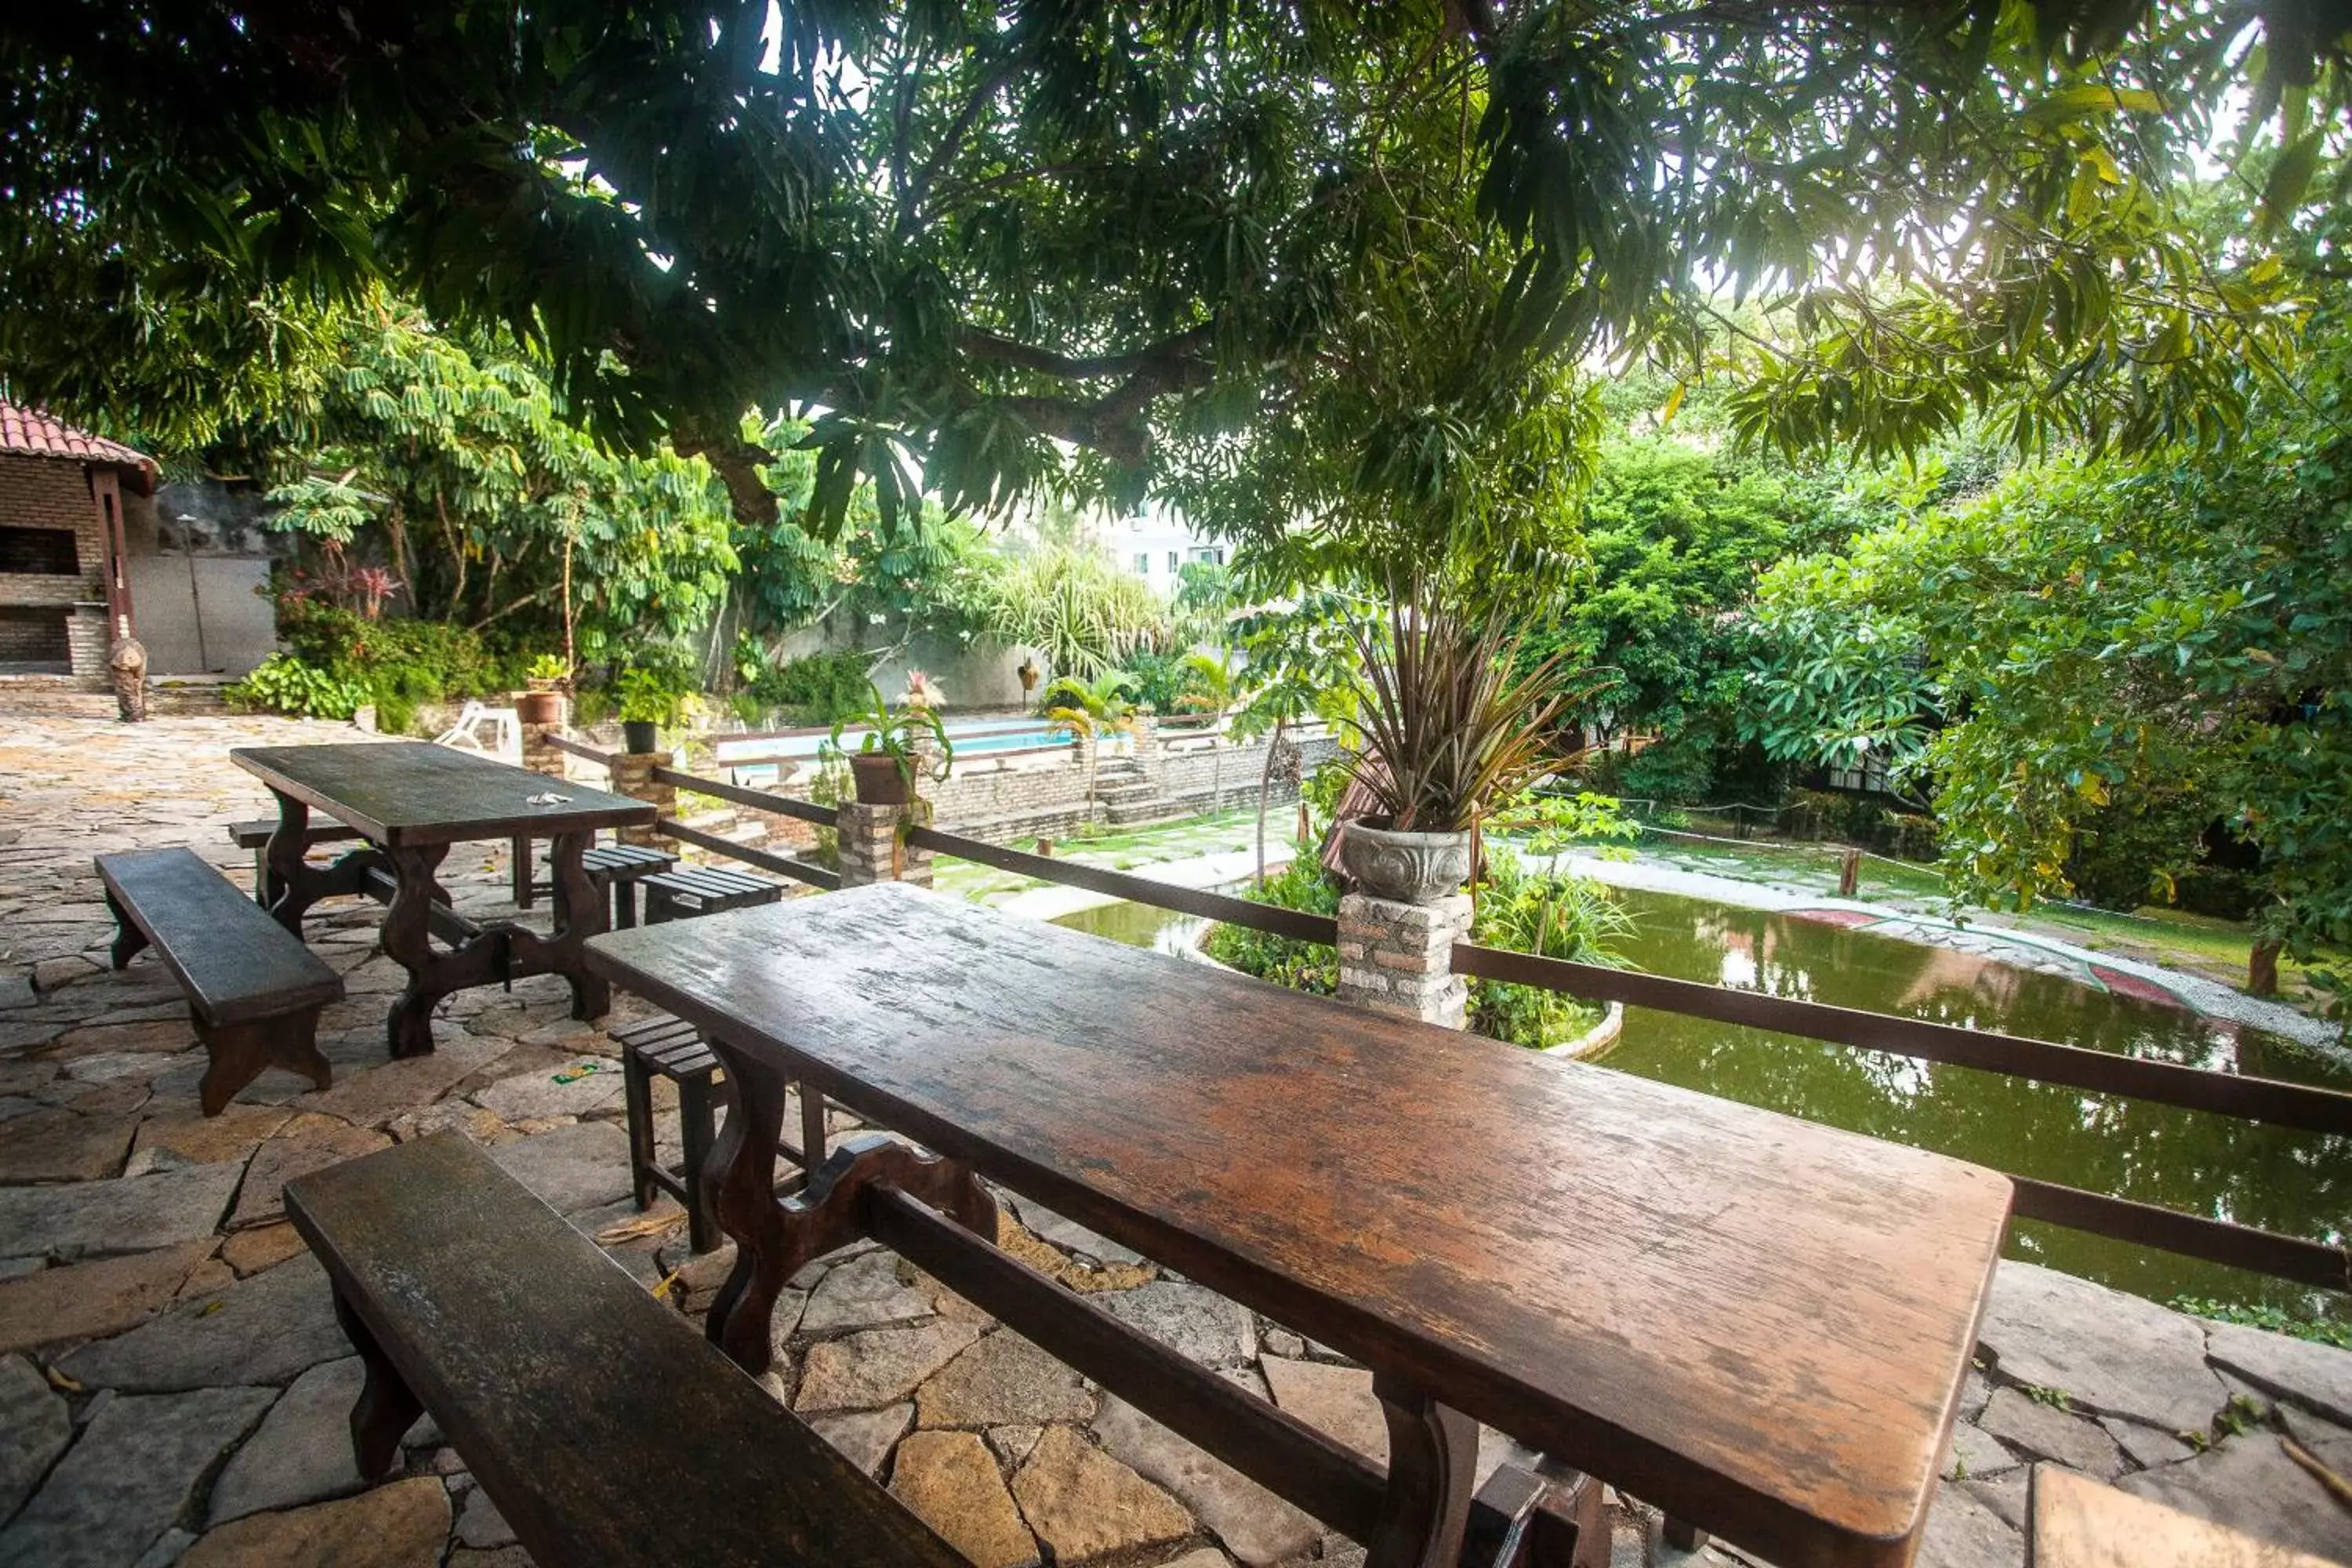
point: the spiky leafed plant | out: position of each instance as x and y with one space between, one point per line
1452 725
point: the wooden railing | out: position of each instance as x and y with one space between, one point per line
2272 1101
2268 1100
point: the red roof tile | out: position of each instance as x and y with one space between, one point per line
35 434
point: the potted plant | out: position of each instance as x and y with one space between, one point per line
1450 727
884 767
648 702
542 702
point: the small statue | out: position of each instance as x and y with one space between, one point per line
126 664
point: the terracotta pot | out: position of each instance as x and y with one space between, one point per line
639 736
538 706
879 780
1408 868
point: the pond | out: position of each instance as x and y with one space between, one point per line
2297 1182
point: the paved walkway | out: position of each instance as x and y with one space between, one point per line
174 1388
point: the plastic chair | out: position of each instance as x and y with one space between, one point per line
465 734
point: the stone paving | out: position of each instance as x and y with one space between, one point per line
173 1387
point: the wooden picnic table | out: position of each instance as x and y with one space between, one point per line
1758 1325
410 802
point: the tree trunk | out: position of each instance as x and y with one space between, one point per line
1265 787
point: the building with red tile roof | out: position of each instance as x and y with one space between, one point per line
65 590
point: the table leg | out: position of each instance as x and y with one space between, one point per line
774 1240
741 1179
292 885
407 940
579 915
1433 1472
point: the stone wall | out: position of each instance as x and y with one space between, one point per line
1030 796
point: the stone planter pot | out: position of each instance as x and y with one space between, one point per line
539 707
1408 868
878 781
640 735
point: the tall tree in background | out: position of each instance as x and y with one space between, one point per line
1270 260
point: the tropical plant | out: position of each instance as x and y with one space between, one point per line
284 683
1208 684
547 667
1308 966
890 731
816 689
1451 724
1298 662
1087 712
648 695
1550 914
1070 605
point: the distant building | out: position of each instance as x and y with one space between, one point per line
63 575
1156 549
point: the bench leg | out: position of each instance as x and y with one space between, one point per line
128 938
386 1409
239 1052
523 873
625 904
637 1094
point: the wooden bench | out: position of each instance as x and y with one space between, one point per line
692 891
254 836
600 1424
615 868
2078 1523
254 990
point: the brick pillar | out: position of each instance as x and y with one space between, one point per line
539 753
867 836
1397 958
1149 761
633 776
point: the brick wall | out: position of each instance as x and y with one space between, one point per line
53 493
30 637
49 492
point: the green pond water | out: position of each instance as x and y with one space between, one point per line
2297 1182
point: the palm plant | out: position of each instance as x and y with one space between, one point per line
1086 711
1210 689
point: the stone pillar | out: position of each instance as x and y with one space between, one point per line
633 776
870 847
1398 959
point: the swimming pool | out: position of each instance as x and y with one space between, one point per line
971 738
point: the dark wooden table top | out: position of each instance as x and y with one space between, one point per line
408 793
1756 1323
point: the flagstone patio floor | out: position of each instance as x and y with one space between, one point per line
174 1386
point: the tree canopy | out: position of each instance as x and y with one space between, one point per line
1321 260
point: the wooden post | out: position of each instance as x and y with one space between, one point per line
1849 872
2262 968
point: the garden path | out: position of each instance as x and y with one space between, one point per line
172 1386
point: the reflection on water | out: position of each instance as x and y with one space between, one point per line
2297 1183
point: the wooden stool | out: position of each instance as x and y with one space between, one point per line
691 890
674 1049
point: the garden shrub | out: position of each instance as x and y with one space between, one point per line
1155 680
397 664
286 683
1551 914
819 690
1302 966
1547 912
